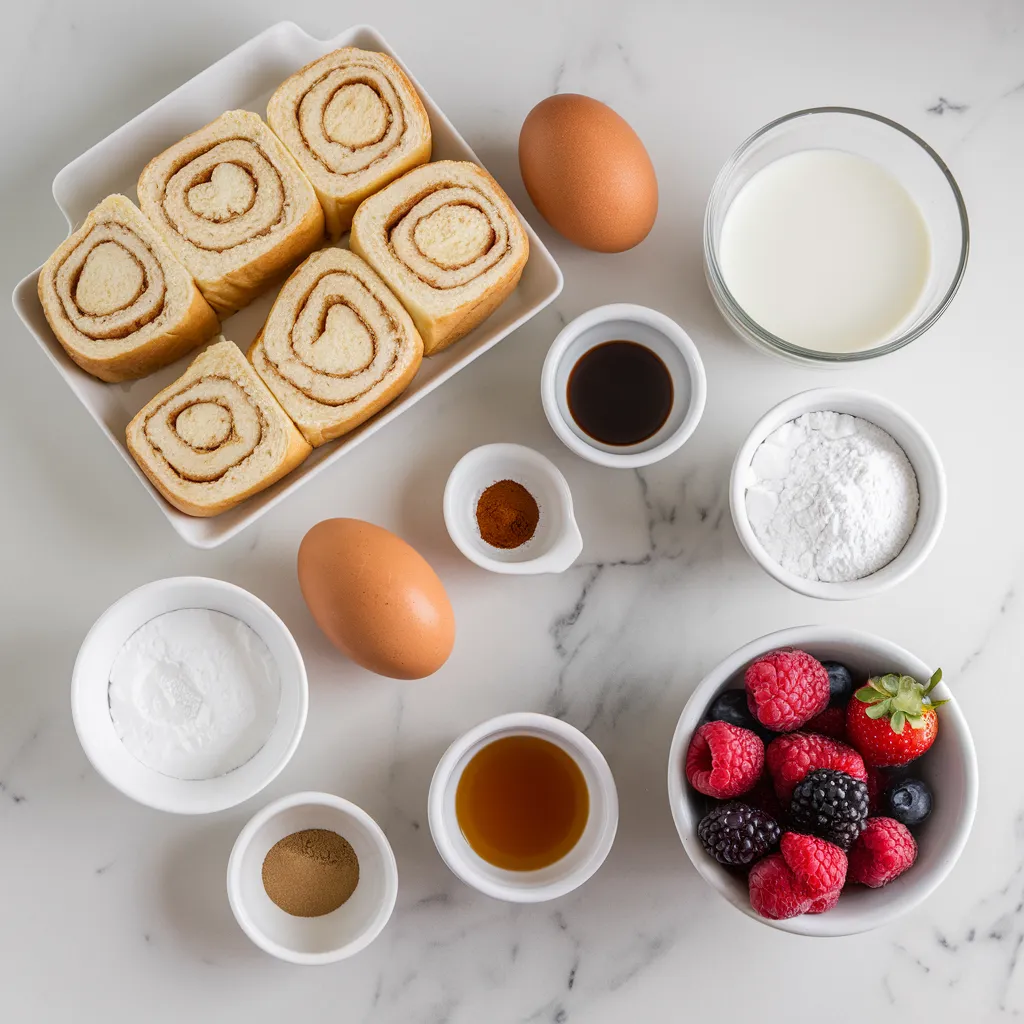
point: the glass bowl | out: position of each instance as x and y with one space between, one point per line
899 151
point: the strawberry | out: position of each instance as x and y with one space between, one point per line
878 717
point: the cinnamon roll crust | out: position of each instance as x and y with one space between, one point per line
448 242
234 206
337 346
118 300
215 436
354 122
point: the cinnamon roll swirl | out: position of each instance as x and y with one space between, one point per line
353 121
337 346
215 436
118 300
448 242
233 206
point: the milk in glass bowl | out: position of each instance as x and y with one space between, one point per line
834 235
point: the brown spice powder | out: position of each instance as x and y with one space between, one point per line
507 514
310 873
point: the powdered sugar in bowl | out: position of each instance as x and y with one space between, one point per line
882 536
133 753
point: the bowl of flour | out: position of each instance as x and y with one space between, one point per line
838 494
189 695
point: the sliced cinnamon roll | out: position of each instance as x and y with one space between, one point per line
448 242
118 300
215 436
337 346
354 122
234 206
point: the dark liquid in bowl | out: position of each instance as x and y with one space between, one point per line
620 393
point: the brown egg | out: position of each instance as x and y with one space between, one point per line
377 599
588 173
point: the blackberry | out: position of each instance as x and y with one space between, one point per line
909 801
840 683
830 804
731 706
737 834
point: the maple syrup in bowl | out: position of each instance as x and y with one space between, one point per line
523 808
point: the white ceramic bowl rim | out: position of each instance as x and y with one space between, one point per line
199 796
887 906
661 324
509 724
370 828
930 475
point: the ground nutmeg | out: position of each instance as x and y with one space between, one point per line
507 514
310 873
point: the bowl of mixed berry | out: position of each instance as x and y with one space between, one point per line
823 780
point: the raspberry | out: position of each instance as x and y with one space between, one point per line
791 757
724 760
883 852
831 722
773 892
818 867
736 834
785 689
826 902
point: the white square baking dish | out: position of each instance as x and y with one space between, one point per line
244 79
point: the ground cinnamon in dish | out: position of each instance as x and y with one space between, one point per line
507 515
310 873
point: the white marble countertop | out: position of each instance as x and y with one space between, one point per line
112 912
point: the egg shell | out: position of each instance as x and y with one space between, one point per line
588 173
376 598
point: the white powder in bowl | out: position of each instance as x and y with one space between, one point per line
194 693
831 497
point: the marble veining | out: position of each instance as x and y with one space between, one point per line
115 913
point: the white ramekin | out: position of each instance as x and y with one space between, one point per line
91 708
524 886
911 437
950 768
555 545
625 322
313 940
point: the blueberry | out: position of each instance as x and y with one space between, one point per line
731 706
840 683
908 801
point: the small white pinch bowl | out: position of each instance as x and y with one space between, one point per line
625 322
564 875
556 543
313 940
950 768
908 434
90 705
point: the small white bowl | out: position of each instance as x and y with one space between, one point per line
312 940
524 886
91 708
911 437
950 768
663 336
555 545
